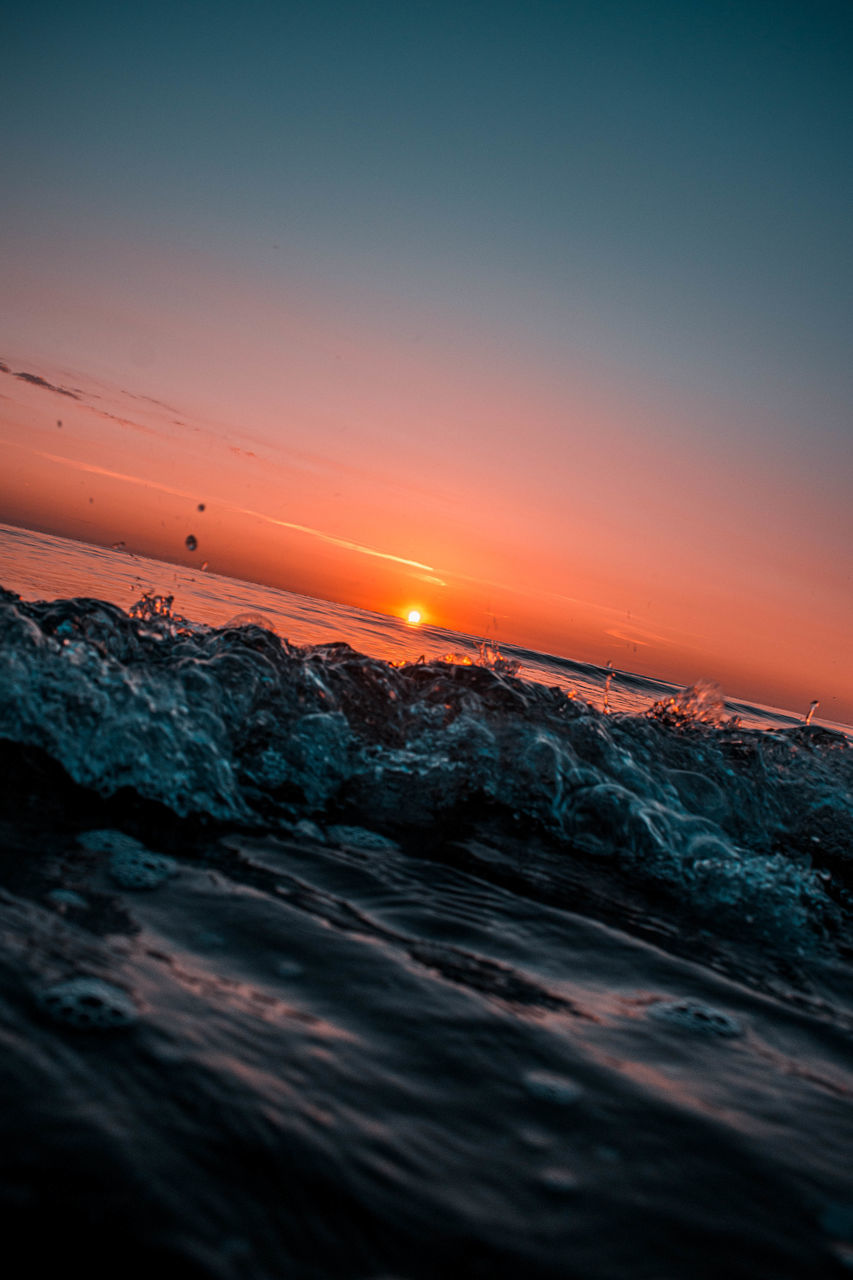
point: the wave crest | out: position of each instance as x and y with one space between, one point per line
237 725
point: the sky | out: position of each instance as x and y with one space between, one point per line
533 316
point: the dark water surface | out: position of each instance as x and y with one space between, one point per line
411 970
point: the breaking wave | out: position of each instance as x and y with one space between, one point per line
747 827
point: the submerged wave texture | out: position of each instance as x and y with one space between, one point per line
236 725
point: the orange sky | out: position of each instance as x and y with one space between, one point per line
611 547
551 299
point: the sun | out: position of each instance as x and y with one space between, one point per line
413 616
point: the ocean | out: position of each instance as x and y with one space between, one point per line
336 947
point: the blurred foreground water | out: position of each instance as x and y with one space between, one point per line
318 960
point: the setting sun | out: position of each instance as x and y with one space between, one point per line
414 616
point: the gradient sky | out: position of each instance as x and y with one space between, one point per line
534 315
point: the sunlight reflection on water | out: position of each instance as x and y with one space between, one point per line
42 566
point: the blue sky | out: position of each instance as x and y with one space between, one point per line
375 224
677 174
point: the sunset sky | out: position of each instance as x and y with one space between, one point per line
535 316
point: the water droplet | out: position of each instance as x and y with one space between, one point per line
191 542
252 618
552 1087
560 1179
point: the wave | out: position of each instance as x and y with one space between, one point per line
752 829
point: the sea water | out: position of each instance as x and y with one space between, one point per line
334 947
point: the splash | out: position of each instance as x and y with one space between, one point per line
160 619
490 657
700 703
607 683
235 725
151 606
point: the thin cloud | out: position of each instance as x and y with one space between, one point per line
37 381
531 592
91 469
335 542
633 638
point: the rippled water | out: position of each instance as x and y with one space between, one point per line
320 960
40 566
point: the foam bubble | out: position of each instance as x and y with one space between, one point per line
107 840
691 1015
252 618
140 868
360 838
88 1004
131 864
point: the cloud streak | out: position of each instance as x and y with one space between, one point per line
38 381
335 542
346 544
